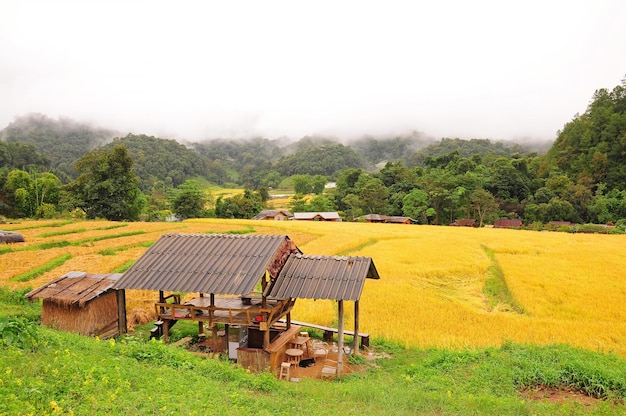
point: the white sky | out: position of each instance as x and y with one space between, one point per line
200 69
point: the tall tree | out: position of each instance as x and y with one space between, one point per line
107 186
484 204
189 201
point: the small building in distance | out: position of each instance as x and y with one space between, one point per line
464 222
84 303
273 214
505 223
10 237
388 219
317 216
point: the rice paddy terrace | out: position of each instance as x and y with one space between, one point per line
444 287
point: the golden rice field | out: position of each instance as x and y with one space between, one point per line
572 287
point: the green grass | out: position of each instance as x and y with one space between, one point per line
112 251
62 232
106 237
53 224
72 374
44 268
65 243
123 267
246 230
496 289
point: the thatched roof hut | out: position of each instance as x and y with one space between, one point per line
84 303
10 237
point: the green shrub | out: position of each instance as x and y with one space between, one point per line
18 332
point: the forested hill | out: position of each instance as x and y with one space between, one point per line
250 162
62 141
592 147
161 160
467 149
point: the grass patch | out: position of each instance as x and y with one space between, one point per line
247 230
496 289
358 248
124 267
38 271
53 224
107 237
114 250
65 243
111 227
64 232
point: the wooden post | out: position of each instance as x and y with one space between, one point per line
266 337
216 346
166 331
340 339
355 342
121 311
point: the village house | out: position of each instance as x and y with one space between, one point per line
505 223
387 219
273 214
317 216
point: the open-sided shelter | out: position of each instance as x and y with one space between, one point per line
245 281
84 303
326 277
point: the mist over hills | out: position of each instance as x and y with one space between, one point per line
63 141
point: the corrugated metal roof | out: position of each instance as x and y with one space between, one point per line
208 263
311 215
75 287
271 213
323 277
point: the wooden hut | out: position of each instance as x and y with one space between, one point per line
10 237
241 285
228 272
84 303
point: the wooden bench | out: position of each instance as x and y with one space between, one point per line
329 332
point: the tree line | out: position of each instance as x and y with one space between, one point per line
581 178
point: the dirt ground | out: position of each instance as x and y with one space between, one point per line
298 373
554 395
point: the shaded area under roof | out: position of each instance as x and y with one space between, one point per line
222 264
323 277
75 288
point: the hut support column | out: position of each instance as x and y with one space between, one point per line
355 342
340 339
166 331
121 311
216 346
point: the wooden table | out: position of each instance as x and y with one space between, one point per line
301 343
294 355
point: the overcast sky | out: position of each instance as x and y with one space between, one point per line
202 69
